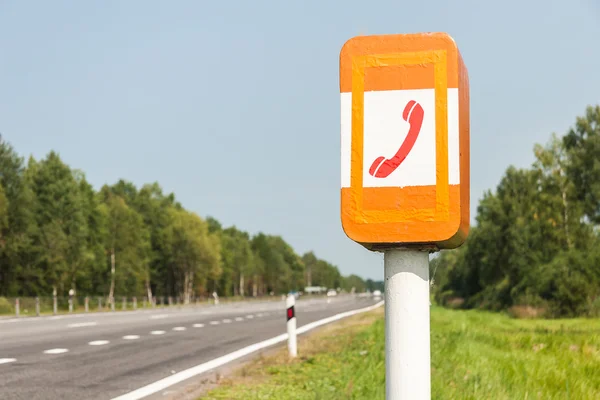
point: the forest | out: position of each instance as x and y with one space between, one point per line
535 248
57 233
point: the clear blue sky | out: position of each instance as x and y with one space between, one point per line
234 105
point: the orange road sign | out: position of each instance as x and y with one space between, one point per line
404 141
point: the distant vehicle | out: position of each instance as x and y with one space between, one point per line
331 293
377 293
315 289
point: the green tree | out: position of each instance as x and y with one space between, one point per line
60 240
17 274
92 268
582 144
354 282
154 207
310 262
126 244
326 274
3 218
194 252
238 260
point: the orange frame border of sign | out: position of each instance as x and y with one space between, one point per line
445 223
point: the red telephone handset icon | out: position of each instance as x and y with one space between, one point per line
413 114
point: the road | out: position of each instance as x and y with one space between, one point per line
105 355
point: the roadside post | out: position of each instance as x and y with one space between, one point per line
54 302
291 325
405 178
71 294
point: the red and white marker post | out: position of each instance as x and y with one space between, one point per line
291 325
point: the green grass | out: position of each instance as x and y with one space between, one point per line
475 355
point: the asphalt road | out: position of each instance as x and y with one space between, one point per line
105 355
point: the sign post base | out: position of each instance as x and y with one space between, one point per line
407 337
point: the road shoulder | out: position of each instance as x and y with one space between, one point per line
240 378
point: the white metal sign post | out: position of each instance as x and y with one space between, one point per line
407 362
405 178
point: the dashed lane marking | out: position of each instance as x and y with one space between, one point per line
98 342
55 351
82 324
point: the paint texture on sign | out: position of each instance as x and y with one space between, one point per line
404 141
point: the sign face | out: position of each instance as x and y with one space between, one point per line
404 141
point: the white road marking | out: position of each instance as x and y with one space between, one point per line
159 316
179 328
227 321
157 332
7 360
217 362
57 317
131 337
239 319
214 322
55 351
259 315
98 342
250 316
198 325
82 324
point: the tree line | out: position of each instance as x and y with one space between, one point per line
535 243
57 233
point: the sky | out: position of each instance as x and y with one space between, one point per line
234 105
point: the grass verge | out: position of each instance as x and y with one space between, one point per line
475 355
